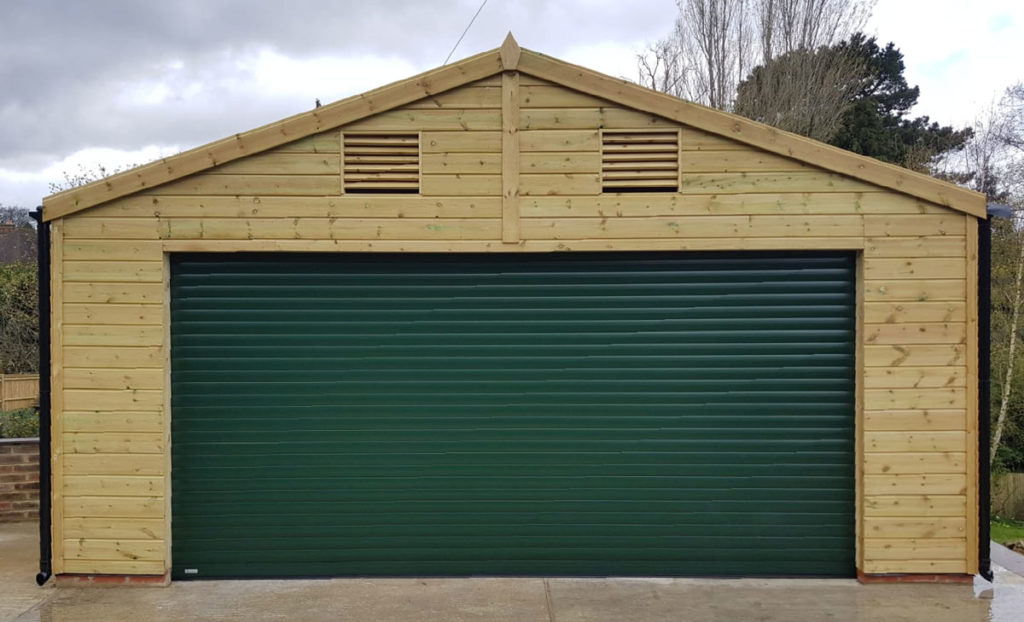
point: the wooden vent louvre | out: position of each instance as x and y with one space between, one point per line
381 163
640 161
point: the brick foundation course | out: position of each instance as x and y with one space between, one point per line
19 480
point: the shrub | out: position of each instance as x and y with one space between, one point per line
21 423
19 319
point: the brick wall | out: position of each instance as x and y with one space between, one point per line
19 480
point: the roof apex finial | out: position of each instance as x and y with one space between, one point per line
510 52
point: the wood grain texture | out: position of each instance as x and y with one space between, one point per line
916 328
510 126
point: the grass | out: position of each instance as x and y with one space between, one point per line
1007 530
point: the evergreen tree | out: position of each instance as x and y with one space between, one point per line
877 124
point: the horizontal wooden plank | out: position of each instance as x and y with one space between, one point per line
112 335
902 463
113 443
103 400
113 271
113 314
132 550
558 184
552 96
278 163
896 312
524 246
129 293
335 228
945 355
473 96
921 225
907 377
115 528
942 566
915 484
559 140
915 441
427 120
915 268
113 357
113 485
561 162
324 142
227 184
461 163
461 185
736 161
881 399
84 226
674 204
460 142
919 290
933 419
94 566
693 226
914 505
913 333
349 206
586 118
115 507
112 421
907 527
753 183
915 548
692 139
920 246
102 378
114 464
113 250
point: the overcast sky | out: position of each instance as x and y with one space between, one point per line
115 82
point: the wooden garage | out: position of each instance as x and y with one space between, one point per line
514 317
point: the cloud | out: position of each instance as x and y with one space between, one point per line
123 74
962 59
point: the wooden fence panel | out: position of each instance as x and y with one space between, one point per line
18 391
1008 495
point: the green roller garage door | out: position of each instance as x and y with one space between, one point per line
562 414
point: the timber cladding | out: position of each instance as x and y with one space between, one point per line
516 162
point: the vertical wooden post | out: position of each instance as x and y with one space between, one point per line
858 414
971 425
166 360
57 393
510 157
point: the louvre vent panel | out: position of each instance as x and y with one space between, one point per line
569 414
640 161
381 163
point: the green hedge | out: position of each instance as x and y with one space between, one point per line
21 423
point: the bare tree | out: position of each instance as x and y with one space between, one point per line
803 91
663 67
791 25
715 43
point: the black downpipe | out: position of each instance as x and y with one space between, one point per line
984 395
43 255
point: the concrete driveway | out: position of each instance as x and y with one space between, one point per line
526 600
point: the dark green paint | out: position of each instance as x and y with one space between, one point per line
568 414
